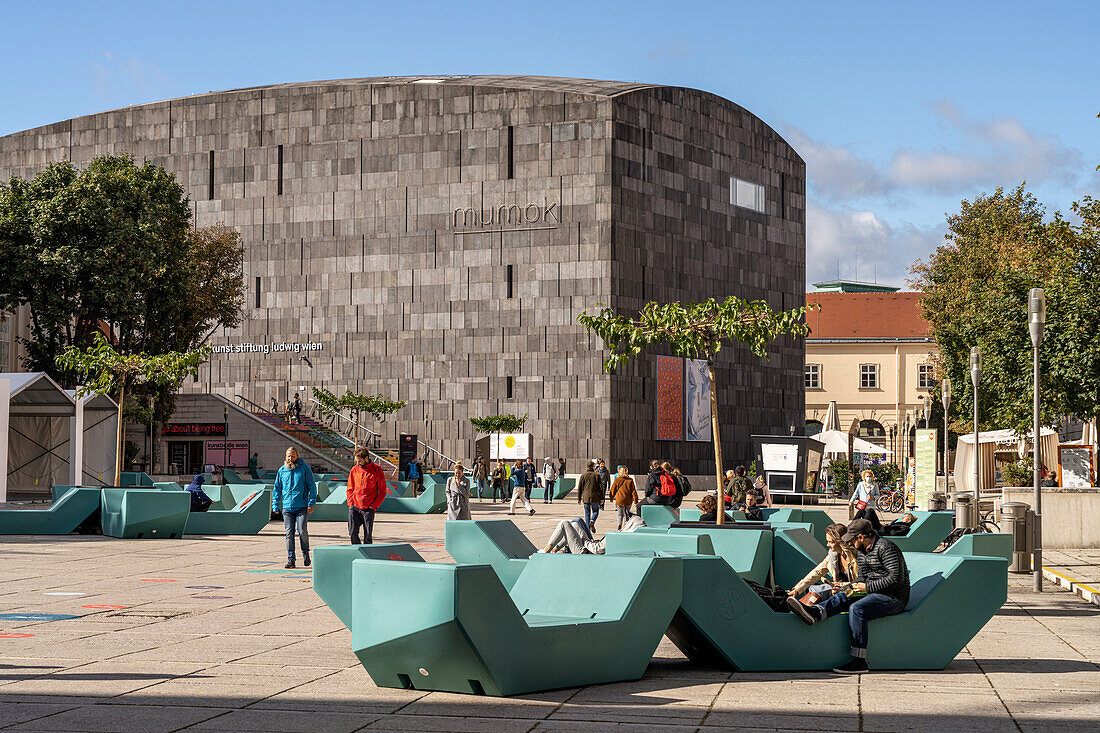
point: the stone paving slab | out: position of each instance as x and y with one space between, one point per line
1075 570
261 652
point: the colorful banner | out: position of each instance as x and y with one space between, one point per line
670 398
697 400
926 443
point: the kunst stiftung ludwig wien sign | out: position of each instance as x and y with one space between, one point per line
268 349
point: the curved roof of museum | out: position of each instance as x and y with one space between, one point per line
596 87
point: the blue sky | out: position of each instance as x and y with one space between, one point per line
899 111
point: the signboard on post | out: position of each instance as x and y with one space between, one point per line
406 451
509 446
926 444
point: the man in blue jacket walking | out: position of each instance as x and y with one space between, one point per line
294 495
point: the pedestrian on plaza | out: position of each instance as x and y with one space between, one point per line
561 468
605 480
254 465
414 474
625 495
865 499
650 486
297 408
274 405
682 482
519 493
458 494
549 476
529 473
589 491
763 496
506 485
365 493
500 475
294 495
737 487
286 411
481 476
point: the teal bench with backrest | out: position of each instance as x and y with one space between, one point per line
495 542
562 488
135 478
692 514
248 515
570 620
658 515
332 571
927 532
749 551
74 505
621 543
232 477
983 545
144 513
334 507
433 500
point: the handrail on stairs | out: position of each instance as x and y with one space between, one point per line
354 424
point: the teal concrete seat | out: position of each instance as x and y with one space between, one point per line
64 515
340 478
820 521
984 544
620 543
433 500
232 477
569 620
135 478
692 514
562 489
144 513
495 542
399 488
748 551
658 515
332 571
334 507
927 532
247 516
795 552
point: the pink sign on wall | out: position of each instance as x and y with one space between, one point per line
237 452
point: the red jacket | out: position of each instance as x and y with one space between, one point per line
366 487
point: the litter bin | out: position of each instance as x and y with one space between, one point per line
1017 519
937 502
965 512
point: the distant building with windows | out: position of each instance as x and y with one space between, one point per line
870 350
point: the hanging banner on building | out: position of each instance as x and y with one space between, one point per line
670 398
926 443
696 400
218 450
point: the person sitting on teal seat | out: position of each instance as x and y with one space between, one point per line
751 511
900 526
200 502
841 564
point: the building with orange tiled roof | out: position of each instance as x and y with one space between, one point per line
870 350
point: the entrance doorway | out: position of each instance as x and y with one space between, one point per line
186 455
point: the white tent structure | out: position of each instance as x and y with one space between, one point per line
832 417
39 425
836 443
991 441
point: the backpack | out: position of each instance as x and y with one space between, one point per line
667 487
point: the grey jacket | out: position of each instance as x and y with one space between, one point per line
458 498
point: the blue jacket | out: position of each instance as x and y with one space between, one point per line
294 489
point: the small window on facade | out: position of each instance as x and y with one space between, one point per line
868 376
511 152
926 378
746 194
257 292
509 388
280 184
813 376
211 191
510 281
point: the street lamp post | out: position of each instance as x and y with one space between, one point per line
225 442
975 377
1036 321
945 396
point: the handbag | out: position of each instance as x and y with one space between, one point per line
810 599
861 505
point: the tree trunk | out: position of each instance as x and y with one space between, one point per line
717 438
118 436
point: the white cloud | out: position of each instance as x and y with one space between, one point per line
863 246
998 152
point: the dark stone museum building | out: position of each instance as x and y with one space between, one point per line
434 239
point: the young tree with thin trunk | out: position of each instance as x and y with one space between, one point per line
376 406
109 371
694 329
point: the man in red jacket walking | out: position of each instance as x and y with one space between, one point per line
366 490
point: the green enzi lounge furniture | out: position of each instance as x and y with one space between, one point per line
334 507
248 516
989 544
562 487
495 542
135 478
570 620
952 598
658 515
63 517
432 501
144 513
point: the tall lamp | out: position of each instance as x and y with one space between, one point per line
1036 321
975 377
945 396
225 442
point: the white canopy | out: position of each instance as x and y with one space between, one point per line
832 419
836 442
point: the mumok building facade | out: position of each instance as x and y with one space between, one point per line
433 239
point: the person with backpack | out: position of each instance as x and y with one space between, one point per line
589 491
414 474
737 487
661 486
549 476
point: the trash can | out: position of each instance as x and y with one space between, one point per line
937 502
965 512
1017 519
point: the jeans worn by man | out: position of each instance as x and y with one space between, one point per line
360 518
295 519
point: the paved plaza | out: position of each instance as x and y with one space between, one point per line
213 634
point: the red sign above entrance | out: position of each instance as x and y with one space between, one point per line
194 428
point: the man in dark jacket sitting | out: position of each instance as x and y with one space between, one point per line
883 590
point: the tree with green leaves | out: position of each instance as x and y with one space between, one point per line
103 369
496 424
376 406
975 287
693 330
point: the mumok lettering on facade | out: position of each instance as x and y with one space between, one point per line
508 215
